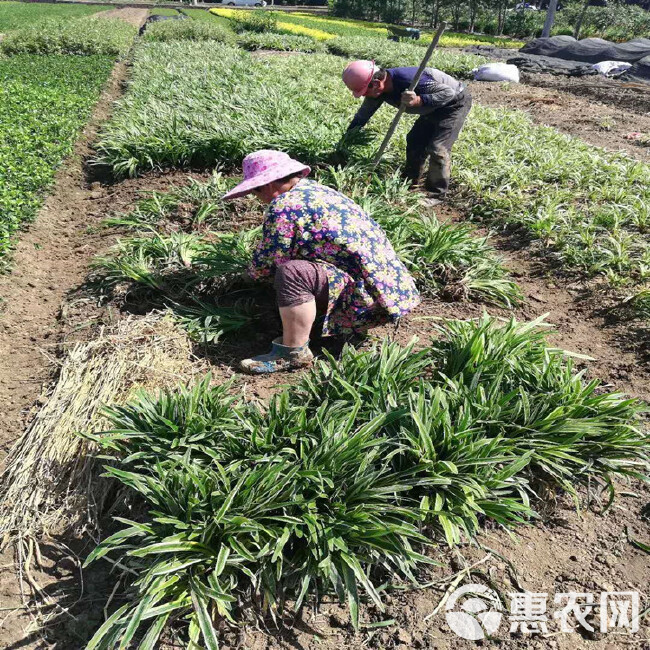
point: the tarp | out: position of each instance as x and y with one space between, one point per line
640 71
550 65
588 50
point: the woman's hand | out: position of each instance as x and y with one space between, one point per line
410 99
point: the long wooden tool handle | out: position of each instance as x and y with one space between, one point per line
414 83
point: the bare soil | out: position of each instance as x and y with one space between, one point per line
46 307
598 123
129 14
634 97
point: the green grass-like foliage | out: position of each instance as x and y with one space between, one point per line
44 101
589 206
186 30
328 490
176 259
254 21
14 15
187 105
389 54
446 259
205 16
163 11
170 267
280 42
82 36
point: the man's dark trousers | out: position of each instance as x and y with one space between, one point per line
433 135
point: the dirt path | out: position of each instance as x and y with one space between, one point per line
597 123
129 14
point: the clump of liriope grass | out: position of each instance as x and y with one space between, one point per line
195 207
280 42
446 259
196 278
187 30
342 483
180 258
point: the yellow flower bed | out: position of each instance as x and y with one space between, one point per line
228 13
305 31
291 28
445 41
358 24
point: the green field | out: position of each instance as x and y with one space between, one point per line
81 36
44 102
14 15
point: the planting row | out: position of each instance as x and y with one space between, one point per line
345 484
185 104
45 100
182 257
81 36
589 206
14 15
326 27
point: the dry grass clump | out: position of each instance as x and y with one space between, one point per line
48 485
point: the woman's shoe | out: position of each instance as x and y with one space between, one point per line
280 358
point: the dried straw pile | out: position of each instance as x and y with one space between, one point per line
48 485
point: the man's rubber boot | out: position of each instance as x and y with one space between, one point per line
280 358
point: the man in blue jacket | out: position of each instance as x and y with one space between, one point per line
441 101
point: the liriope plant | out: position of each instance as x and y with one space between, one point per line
342 483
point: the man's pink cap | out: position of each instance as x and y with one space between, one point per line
358 75
264 166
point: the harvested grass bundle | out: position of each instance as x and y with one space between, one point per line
46 486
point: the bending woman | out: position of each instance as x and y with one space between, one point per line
325 255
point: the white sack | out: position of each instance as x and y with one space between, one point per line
497 72
611 68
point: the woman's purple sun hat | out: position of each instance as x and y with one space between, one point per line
265 166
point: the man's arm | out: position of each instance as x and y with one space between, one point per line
435 94
368 108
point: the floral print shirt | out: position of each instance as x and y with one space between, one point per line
368 284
